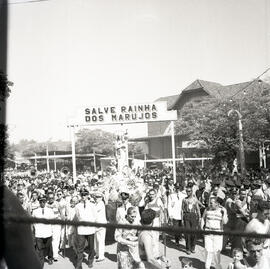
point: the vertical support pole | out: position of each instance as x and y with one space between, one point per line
36 161
264 156
47 157
144 160
241 141
260 156
95 164
173 152
72 129
202 163
54 162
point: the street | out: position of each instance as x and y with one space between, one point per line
174 254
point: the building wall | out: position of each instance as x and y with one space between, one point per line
158 128
160 147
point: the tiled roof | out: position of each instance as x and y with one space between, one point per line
238 90
219 91
208 86
169 99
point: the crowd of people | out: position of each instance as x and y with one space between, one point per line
208 199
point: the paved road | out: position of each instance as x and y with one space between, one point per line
173 253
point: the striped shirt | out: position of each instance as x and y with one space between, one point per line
214 219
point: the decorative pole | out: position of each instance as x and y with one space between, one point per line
241 140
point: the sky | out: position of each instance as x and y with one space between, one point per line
63 54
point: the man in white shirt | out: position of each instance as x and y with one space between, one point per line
85 211
175 200
101 231
43 232
54 205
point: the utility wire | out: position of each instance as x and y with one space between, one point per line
27 2
251 82
7 218
243 89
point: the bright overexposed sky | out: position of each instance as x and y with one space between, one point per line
68 53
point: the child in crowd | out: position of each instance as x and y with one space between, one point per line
238 259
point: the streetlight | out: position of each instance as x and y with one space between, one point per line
241 141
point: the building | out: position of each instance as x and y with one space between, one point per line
158 140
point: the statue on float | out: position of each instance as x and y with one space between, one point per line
121 150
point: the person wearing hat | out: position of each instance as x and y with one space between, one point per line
85 211
121 211
43 232
101 231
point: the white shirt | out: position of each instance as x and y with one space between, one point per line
101 212
121 212
71 212
175 205
43 230
87 213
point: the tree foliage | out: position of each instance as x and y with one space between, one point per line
95 140
4 145
206 119
4 86
30 147
135 148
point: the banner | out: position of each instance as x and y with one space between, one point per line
123 114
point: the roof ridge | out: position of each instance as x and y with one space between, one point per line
208 81
199 81
237 83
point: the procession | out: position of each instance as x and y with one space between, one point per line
203 199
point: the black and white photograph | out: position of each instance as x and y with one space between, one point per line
135 134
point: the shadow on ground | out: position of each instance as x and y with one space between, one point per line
111 257
70 254
196 262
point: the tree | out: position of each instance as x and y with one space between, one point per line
95 140
135 148
4 87
4 93
207 120
30 147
